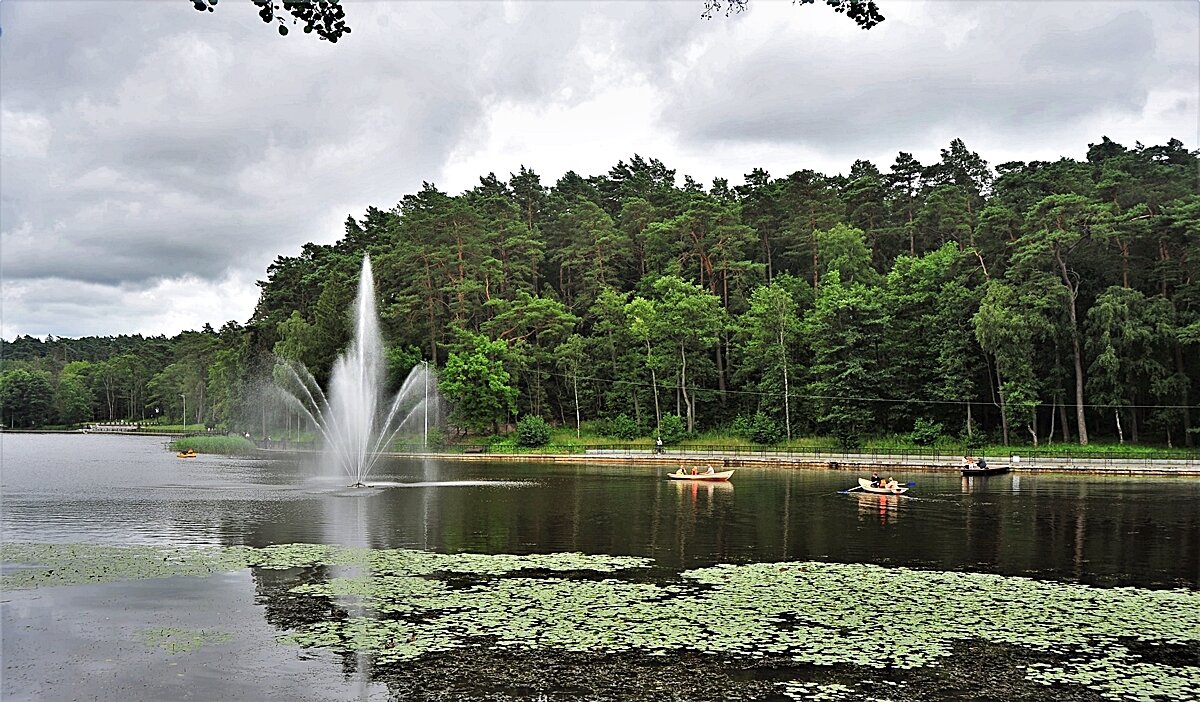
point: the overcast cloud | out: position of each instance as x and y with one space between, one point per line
154 160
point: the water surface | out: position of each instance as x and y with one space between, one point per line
121 490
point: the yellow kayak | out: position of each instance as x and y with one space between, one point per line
190 453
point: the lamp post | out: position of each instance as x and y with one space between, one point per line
184 410
425 439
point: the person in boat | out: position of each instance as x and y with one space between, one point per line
981 464
875 479
710 471
968 462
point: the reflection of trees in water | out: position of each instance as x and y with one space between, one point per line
288 610
1108 532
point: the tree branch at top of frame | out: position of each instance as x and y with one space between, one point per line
325 18
865 13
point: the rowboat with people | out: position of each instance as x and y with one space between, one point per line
710 474
883 487
979 466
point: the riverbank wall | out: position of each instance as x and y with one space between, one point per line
852 462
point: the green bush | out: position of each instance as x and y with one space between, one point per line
672 429
532 432
848 437
925 432
621 427
742 427
763 429
437 437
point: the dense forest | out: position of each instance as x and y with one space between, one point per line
1033 302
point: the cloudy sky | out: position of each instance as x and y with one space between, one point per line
154 160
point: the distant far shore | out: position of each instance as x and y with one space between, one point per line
1018 459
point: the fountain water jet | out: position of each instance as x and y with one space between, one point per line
352 427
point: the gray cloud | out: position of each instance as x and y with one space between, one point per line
154 160
1020 69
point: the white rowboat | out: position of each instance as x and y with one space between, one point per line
896 489
680 475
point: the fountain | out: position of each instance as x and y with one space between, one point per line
353 429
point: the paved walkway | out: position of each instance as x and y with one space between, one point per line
858 462
868 461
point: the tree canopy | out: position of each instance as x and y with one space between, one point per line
1040 301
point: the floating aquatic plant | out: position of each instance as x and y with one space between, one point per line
49 565
817 692
816 614
1117 675
176 640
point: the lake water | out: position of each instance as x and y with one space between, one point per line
104 639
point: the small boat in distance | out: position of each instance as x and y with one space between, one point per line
709 475
892 488
974 469
190 453
979 466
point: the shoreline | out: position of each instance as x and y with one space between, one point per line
848 461
842 462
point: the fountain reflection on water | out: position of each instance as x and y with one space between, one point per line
352 428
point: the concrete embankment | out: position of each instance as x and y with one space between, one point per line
1189 466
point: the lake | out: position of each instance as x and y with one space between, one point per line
132 574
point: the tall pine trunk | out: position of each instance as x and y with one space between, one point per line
1080 418
787 406
1003 408
1066 426
654 384
687 400
1187 415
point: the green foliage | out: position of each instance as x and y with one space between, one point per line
532 432
843 250
925 432
845 306
741 426
621 427
846 430
769 339
400 362
477 385
763 429
846 368
74 397
672 430
436 438
26 398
